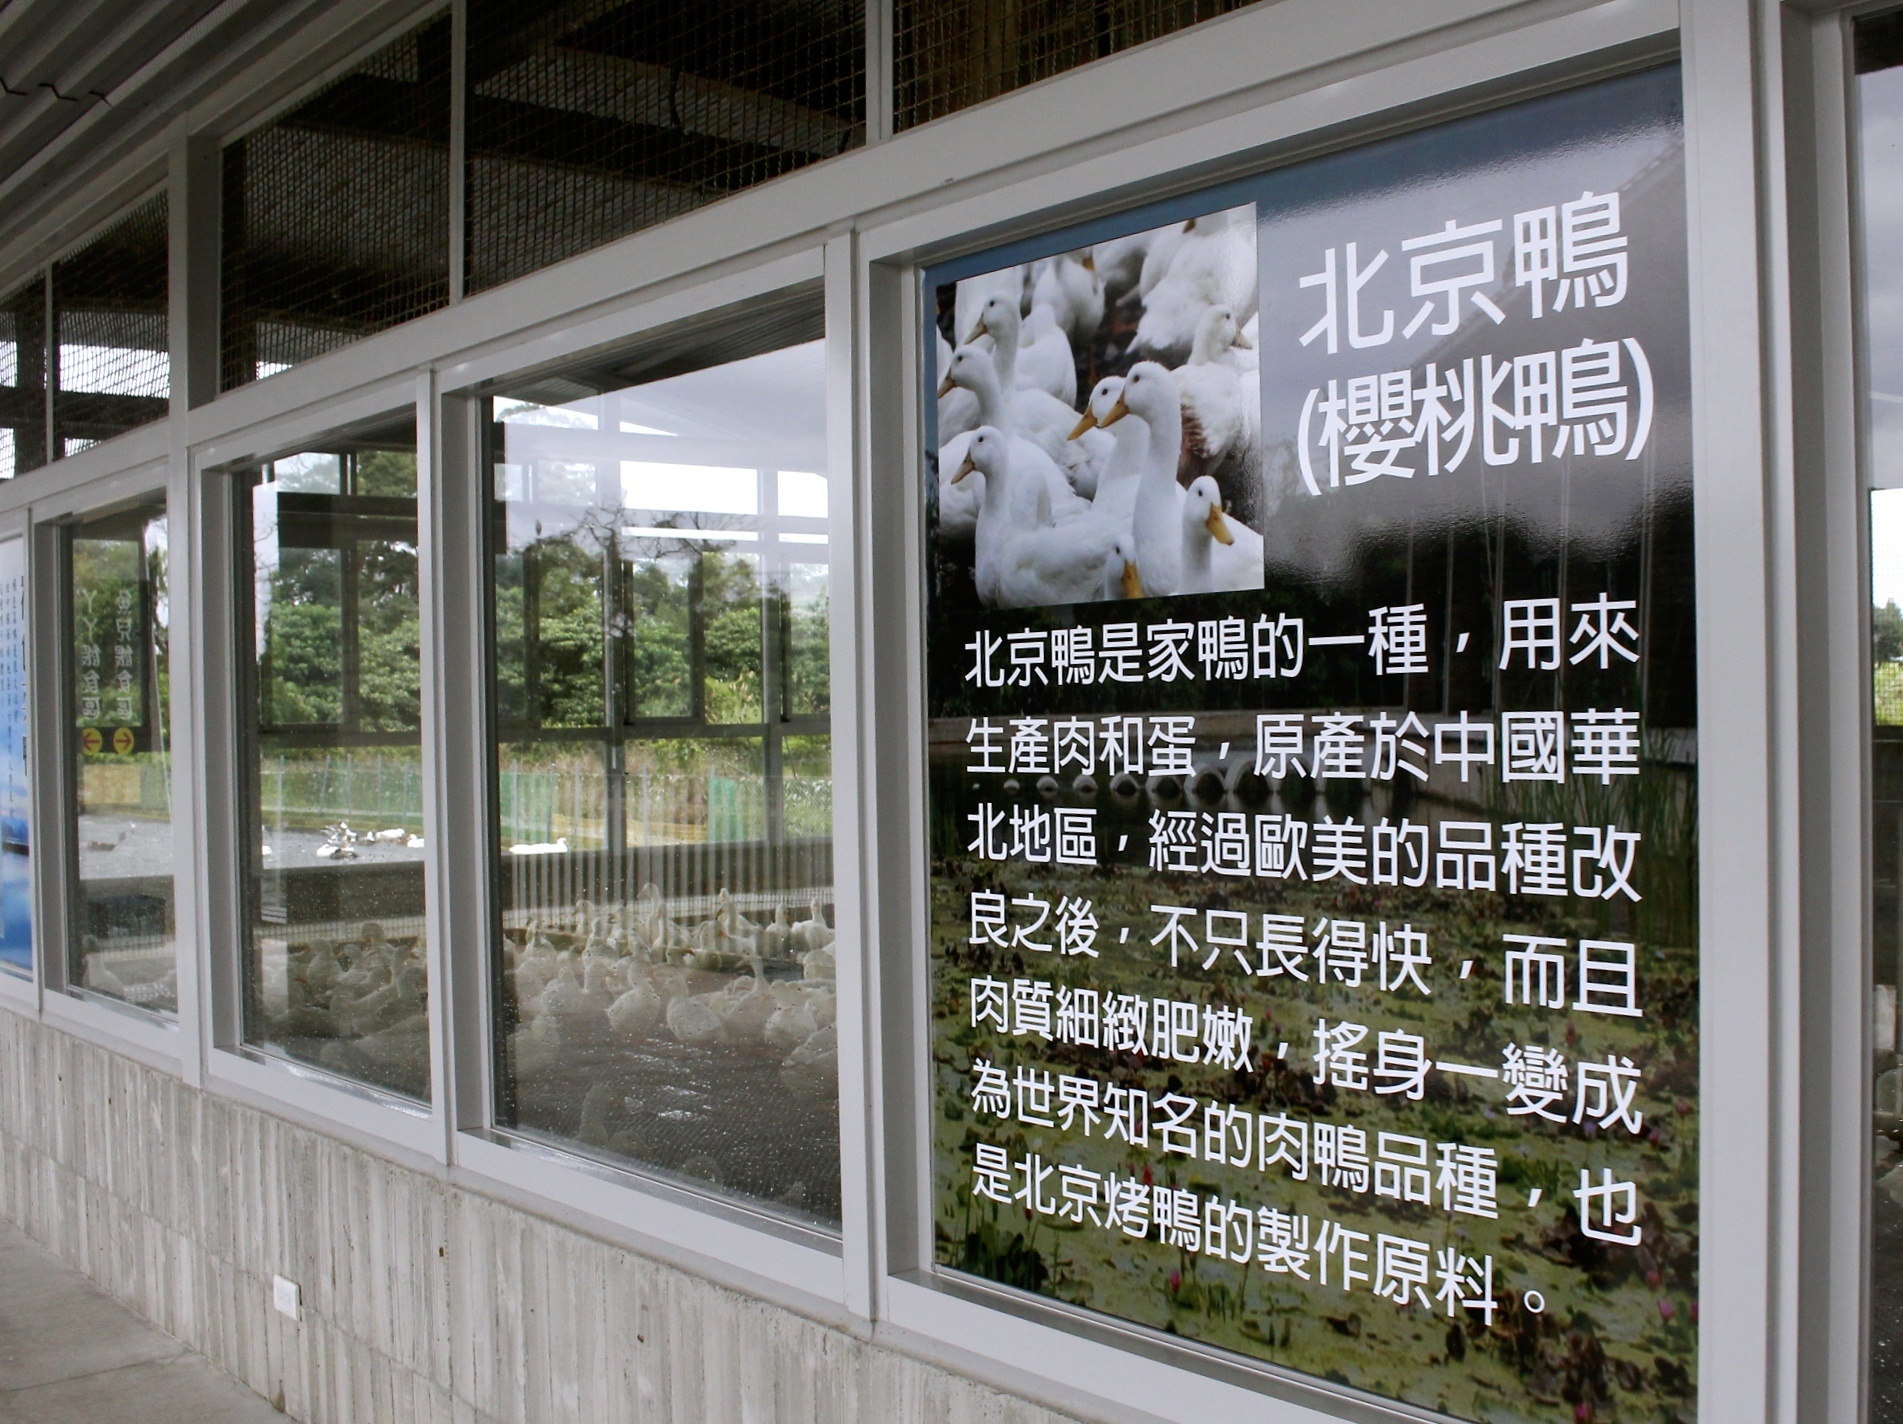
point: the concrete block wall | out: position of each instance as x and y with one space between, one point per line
422 1301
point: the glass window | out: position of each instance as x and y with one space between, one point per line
664 786
23 379
592 119
336 215
1312 804
16 865
110 305
335 964
118 616
1879 98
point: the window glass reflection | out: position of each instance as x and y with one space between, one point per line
1886 828
1879 96
664 785
336 973
118 610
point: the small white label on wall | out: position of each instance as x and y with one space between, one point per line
286 1296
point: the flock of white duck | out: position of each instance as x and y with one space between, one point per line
632 973
618 975
368 994
1122 498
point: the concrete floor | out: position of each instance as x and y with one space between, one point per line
71 1353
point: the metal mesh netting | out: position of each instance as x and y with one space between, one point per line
1878 41
950 54
114 370
336 215
592 119
23 379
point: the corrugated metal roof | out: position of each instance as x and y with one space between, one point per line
83 82
59 58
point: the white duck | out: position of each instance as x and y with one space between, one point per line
319 967
999 521
1215 266
1164 244
99 978
957 503
1222 417
1071 287
999 320
1045 360
1036 413
974 291
1119 262
1021 566
813 932
776 937
1150 394
1121 474
802 1011
727 912
1120 577
819 966
1220 554
693 1018
1245 355
633 1013
535 1048
652 923
957 410
812 1069
735 1012
975 371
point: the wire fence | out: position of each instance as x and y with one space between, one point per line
1887 688
371 790
951 54
545 810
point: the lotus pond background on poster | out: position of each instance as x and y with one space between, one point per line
1314 946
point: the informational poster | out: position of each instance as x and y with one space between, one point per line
109 642
1314 900
16 869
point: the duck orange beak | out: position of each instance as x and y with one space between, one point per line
1132 581
1242 340
1089 422
1217 526
1116 413
977 331
963 470
946 386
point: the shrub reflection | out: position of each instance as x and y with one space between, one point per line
666 963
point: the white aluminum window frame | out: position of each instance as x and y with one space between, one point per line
1833 697
1029 1340
376 1117
34 510
740 1245
1277 82
55 794
23 991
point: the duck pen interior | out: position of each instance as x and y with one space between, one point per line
652 1015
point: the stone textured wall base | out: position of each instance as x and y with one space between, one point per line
422 1301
